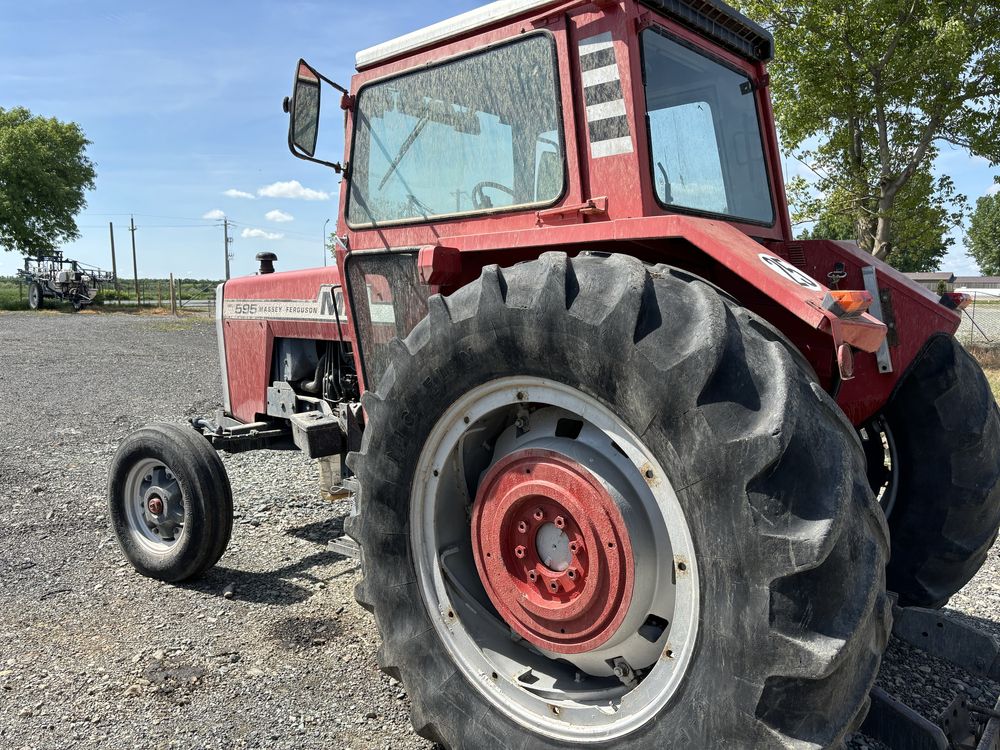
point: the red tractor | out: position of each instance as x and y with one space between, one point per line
619 441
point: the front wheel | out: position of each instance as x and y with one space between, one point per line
170 502
602 506
35 296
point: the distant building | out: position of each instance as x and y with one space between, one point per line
934 280
977 282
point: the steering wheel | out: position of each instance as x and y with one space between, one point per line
481 199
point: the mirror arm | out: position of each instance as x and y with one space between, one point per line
336 166
337 86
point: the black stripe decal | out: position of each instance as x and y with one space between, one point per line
612 127
599 59
603 92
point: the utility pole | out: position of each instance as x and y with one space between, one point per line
114 262
135 267
226 240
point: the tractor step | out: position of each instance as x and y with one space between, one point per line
344 545
962 725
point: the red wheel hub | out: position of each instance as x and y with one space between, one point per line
155 505
553 551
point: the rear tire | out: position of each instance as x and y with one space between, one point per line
170 502
789 545
946 429
35 296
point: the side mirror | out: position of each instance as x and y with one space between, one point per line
303 110
303 125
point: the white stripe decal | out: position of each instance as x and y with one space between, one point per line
600 75
606 109
596 43
611 147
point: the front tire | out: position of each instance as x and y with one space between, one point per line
784 617
944 426
35 296
170 502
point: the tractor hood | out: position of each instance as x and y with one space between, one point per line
254 312
311 295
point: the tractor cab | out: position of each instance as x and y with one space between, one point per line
540 113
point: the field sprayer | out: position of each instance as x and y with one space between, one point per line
51 276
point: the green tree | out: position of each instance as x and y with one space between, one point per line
44 173
983 238
920 224
878 85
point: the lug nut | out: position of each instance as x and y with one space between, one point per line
519 550
539 514
560 522
574 547
554 585
522 527
532 575
571 573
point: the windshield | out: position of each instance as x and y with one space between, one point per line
475 134
705 140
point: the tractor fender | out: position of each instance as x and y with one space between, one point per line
766 271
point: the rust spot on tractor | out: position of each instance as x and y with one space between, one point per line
680 565
668 652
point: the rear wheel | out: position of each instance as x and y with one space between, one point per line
602 505
942 427
170 502
35 297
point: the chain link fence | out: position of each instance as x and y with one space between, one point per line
981 320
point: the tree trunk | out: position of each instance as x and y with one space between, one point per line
866 227
880 242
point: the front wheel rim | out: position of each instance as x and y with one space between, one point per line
627 663
154 506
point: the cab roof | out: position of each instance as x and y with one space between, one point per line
712 18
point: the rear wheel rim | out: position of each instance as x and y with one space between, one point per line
475 540
880 443
154 506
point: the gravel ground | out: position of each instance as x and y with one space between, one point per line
93 655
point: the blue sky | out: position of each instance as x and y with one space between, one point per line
182 101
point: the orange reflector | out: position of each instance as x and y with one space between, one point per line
956 300
847 304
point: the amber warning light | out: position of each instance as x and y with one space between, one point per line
847 304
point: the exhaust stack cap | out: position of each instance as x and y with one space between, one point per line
266 263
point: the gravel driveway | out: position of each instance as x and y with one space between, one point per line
92 655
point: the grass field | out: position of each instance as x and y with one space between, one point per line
993 375
989 358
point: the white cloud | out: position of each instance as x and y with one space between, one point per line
278 217
260 234
292 189
234 193
993 189
216 214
